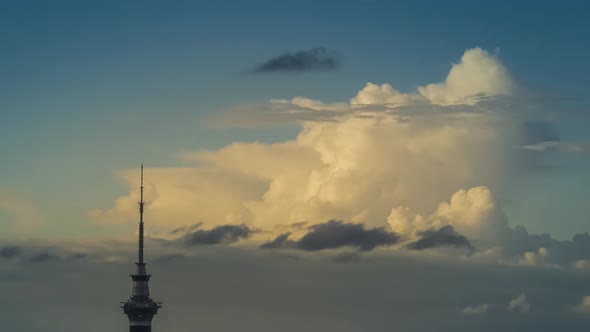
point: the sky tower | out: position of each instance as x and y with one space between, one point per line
140 308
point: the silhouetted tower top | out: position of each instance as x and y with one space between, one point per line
140 308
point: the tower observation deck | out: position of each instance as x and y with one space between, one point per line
140 308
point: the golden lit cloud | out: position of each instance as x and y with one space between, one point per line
354 168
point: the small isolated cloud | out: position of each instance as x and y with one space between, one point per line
581 264
315 59
476 309
444 236
542 146
583 307
573 147
336 234
217 235
541 257
519 304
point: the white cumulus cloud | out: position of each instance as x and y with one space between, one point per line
384 94
473 212
478 75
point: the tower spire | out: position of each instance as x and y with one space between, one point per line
140 251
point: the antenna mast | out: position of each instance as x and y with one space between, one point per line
141 219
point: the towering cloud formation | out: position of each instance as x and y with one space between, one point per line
385 159
353 169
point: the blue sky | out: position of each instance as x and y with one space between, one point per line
91 88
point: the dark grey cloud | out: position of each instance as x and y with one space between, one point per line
562 252
315 59
336 234
280 241
217 235
36 255
443 237
10 251
186 229
515 242
42 257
